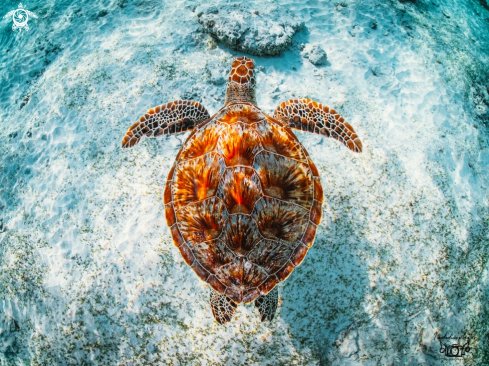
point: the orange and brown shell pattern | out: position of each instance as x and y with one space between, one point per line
243 202
243 199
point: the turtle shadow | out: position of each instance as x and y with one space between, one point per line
322 296
464 287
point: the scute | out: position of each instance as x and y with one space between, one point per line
239 190
202 221
285 271
213 254
277 139
239 276
280 220
253 275
241 113
299 254
316 212
271 254
269 284
244 200
231 275
284 178
170 214
201 142
241 234
197 179
238 145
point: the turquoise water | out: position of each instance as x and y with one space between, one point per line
88 271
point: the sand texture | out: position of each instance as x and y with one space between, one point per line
88 271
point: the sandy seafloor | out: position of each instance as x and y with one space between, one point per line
88 271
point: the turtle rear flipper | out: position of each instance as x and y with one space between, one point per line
173 117
223 307
308 115
267 305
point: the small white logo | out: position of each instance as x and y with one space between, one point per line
20 17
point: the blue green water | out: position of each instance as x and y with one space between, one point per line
88 271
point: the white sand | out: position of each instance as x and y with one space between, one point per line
88 271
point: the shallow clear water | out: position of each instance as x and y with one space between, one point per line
88 271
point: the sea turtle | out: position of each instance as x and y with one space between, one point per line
20 17
243 198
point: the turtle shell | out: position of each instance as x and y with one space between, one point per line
243 201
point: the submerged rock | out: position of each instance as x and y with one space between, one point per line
315 54
264 33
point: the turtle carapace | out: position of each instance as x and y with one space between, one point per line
243 199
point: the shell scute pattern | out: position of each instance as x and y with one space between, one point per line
213 255
241 234
247 114
308 238
277 139
271 254
197 179
201 142
299 254
239 189
170 214
243 202
239 144
284 178
281 220
202 221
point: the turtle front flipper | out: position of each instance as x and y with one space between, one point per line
173 117
223 307
308 115
267 305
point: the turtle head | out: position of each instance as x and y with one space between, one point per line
241 81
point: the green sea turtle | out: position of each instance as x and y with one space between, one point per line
243 198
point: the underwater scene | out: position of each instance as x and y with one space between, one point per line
264 182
